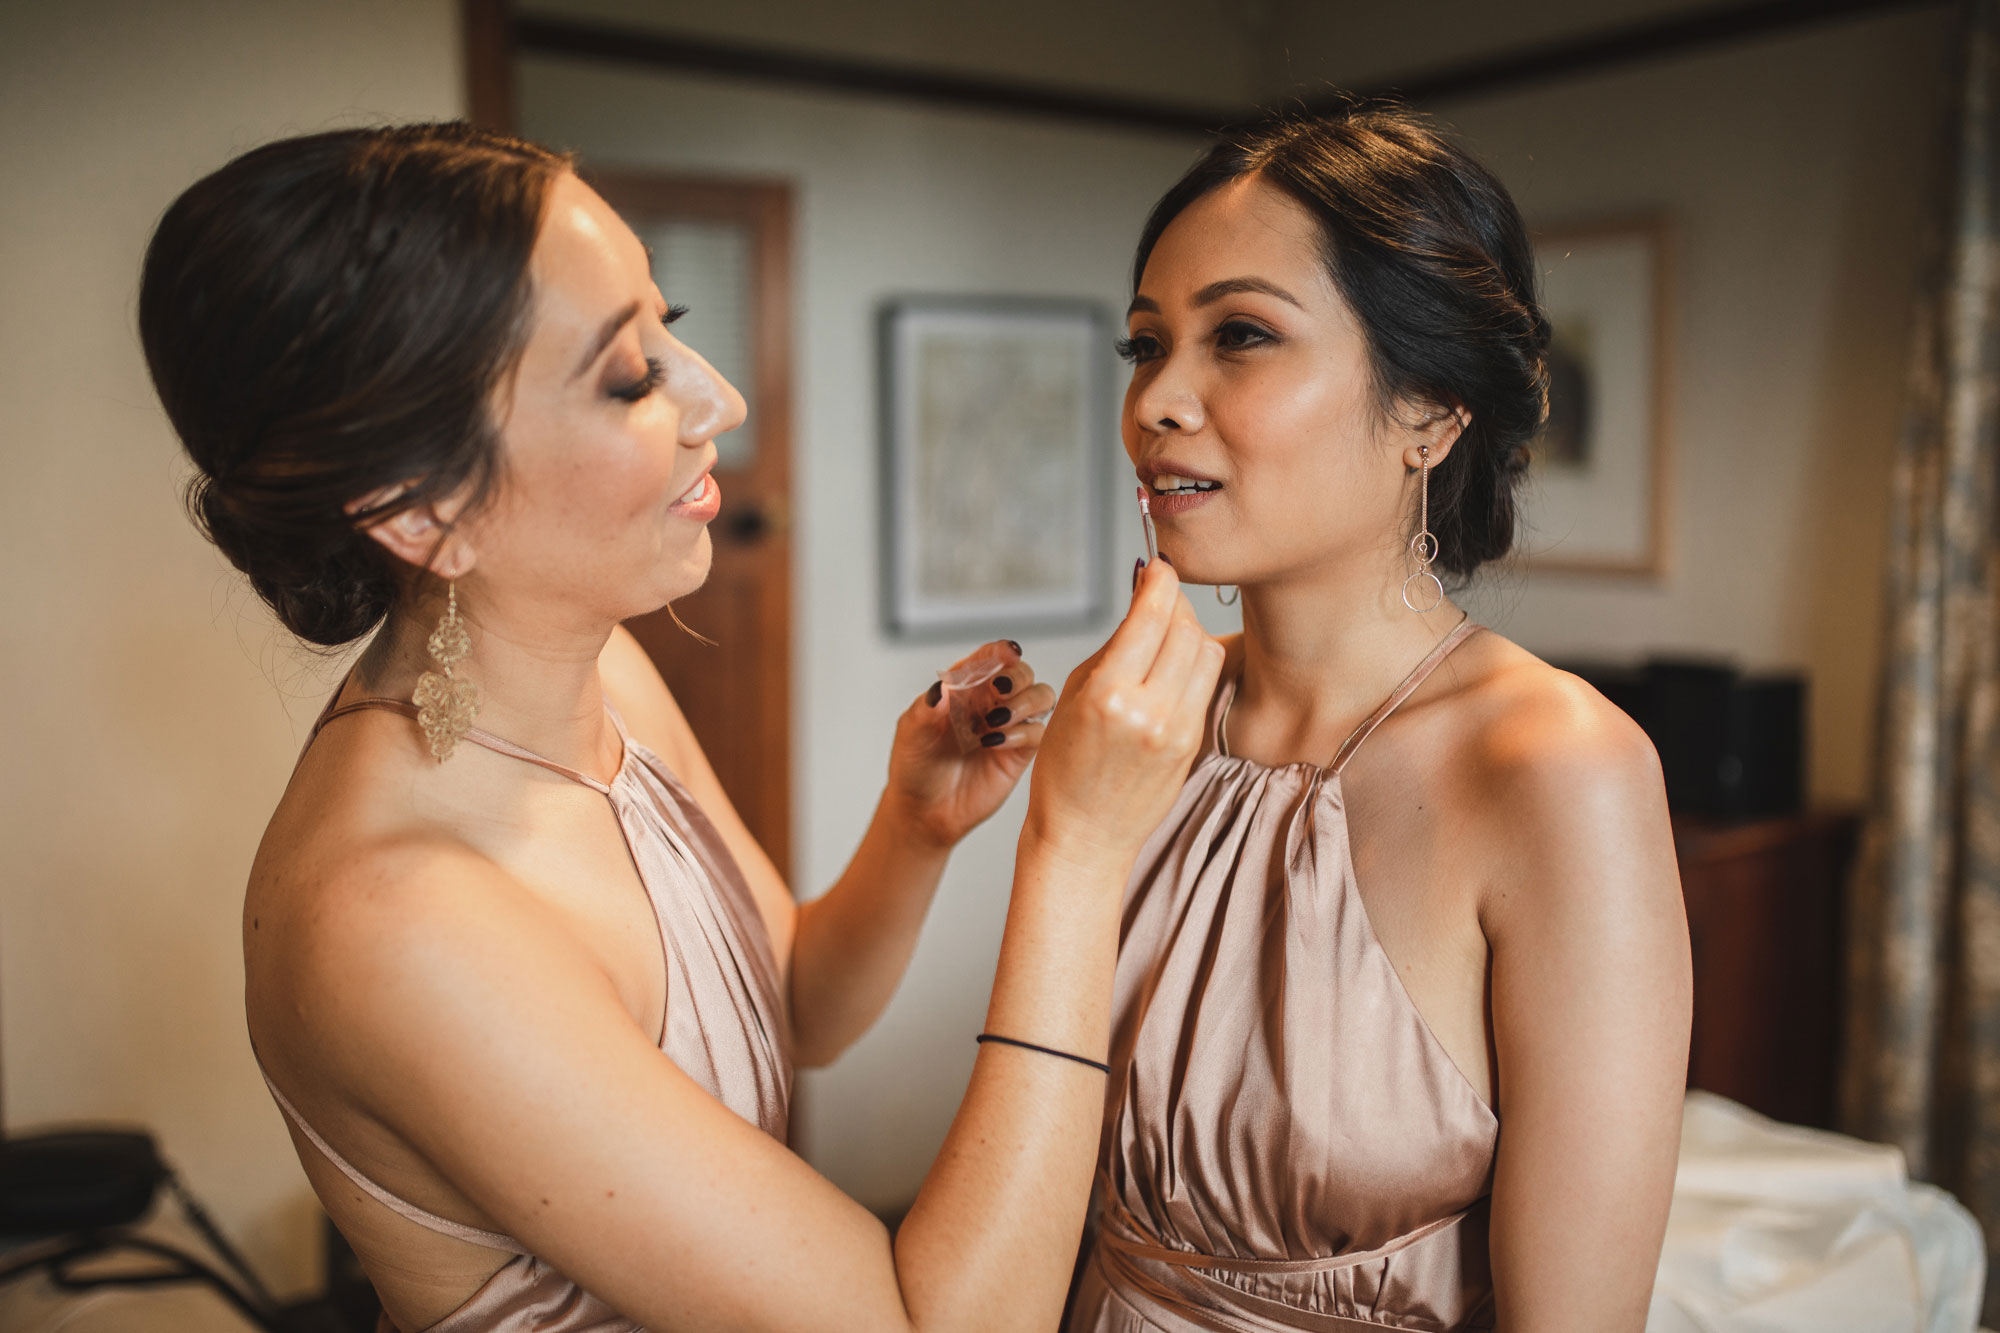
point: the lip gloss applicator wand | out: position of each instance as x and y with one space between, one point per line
1146 522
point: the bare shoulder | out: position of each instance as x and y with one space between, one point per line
1535 735
1562 788
350 931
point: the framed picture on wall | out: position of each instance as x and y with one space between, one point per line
995 426
1596 498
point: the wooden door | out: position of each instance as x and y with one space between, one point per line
723 249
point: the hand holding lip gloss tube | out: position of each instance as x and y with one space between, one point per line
1152 538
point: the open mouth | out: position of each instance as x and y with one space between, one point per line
701 501
1169 484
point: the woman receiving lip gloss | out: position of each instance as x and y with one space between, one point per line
1401 1012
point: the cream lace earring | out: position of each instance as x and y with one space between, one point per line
446 701
1424 546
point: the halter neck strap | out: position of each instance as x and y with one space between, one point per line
482 738
395 1203
1418 675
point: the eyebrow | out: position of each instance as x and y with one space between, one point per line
1215 291
605 335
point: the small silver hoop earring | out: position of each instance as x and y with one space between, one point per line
1424 546
1234 594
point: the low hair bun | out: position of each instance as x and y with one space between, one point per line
326 583
326 317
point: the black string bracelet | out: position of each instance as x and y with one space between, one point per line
1098 1065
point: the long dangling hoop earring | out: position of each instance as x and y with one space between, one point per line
1234 593
446 701
1424 546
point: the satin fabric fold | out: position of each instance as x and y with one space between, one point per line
1286 1145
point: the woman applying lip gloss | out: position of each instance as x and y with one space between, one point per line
1401 1014
524 988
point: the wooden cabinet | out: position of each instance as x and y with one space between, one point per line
1765 905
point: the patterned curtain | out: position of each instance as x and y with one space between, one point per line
1923 1058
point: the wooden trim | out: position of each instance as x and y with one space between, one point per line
1657 562
1700 837
684 53
487 29
1632 44
1568 58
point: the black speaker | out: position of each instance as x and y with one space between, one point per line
1731 746
77 1180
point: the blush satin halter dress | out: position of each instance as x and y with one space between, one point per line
725 1024
1286 1145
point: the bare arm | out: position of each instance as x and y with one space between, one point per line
528 1088
1591 994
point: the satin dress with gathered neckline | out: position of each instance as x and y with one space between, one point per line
725 1026
1286 1144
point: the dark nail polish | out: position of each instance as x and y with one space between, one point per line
1015 646
1003 684
1168 563
993 738
1138 567
998 717
934 693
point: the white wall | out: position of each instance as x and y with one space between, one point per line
890 199
151 712
1797 171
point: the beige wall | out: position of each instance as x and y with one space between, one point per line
151 714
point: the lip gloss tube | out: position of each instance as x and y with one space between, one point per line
1146 522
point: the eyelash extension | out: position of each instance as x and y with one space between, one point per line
1132 349
674 312
1234 335
656 374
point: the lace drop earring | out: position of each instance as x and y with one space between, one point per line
446 701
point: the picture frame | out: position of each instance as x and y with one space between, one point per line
1597 495
995 421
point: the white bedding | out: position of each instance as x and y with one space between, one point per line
1780 1229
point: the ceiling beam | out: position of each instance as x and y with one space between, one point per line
1656 39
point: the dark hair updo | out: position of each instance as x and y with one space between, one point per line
1428 250
328 316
